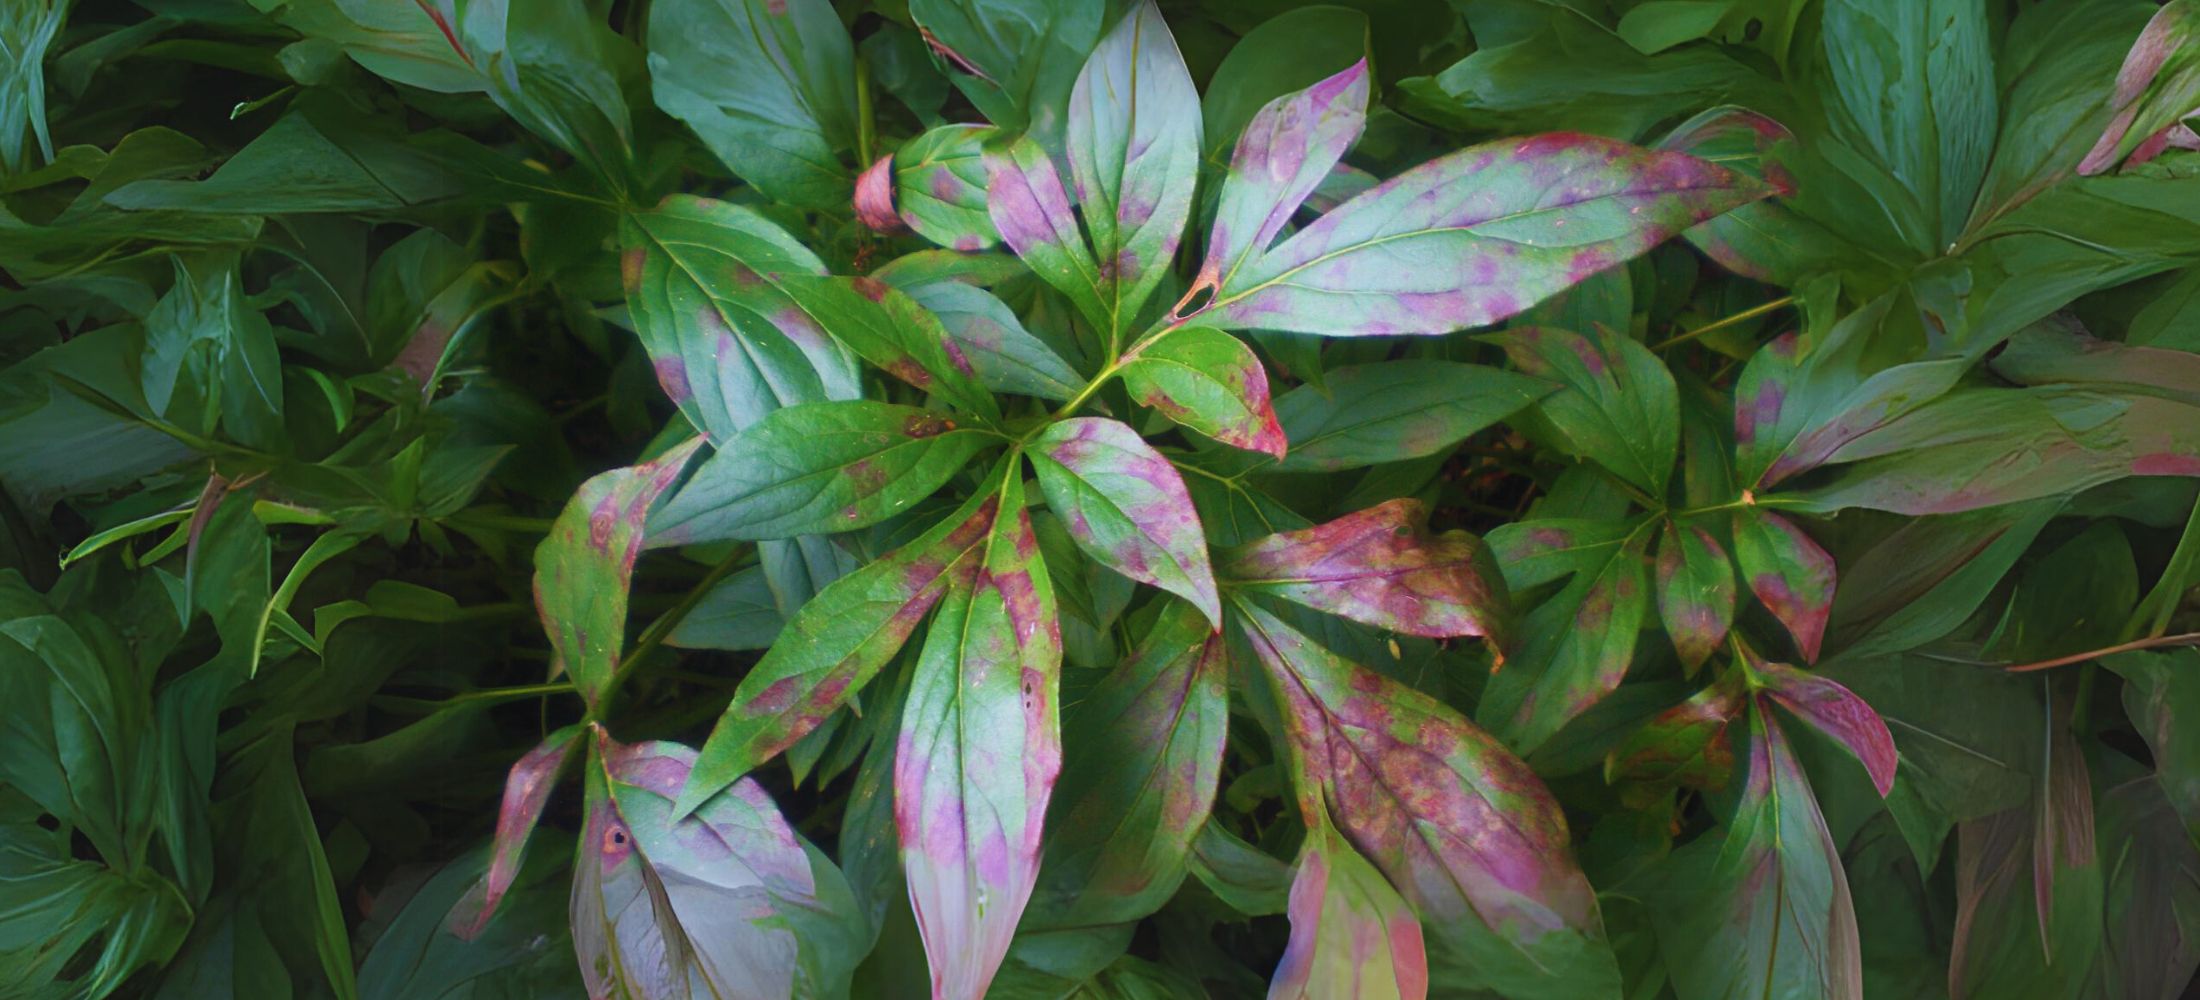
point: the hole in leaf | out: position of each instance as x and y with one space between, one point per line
1195 301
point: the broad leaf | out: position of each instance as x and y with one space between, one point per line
816 468
1382 566
1695 591
939 182
1126 506
1351 934
769 86
978 752
1690 744
1790 574
1008 357
1015 59
1210 382
890 330
1837 712
1915 85
1616 406
1396 410
526 791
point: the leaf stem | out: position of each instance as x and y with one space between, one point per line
1741 317
866 129
2185 639
660 629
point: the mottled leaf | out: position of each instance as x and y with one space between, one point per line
583 566
979 749
768 85
526 791
1126 506
1008 357
1286 149
1473 237
890 330
1031 211
816 468
1790 574
1134 156
1351 933
2157 88
1015 59
1616 404
1384 567
939 182
1690 744
1210 382
1837 712
1576 646
1394 410
1695 591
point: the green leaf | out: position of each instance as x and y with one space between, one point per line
890 330
1291 51
1210 382
1287 149
1384 567
1925 578
768 86
737 613
1695 591
1008 357
1575 646
939 187
816 468
1126 506
527 952
1915 82
1241 875
558 69
1016 60
527 790
979 750
1790 574
1031 211
1616 404
1351 933
1396 410
1690 744
1658 25
297 165
2161 695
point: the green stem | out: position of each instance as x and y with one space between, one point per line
866 128
1741 317
660 629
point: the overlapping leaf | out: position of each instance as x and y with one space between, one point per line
1126 506
1384 567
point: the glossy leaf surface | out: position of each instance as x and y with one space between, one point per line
1210 382
1695 591
1384 567
1790 574
1126 506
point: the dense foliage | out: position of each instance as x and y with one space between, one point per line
1049 498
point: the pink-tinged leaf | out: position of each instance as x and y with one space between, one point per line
727 902
939 187
1837 712
1133 141
1030 210
1762 907
1144 753
1766 241
1695 592
583 567
1616 406
1788 572
1576 646
2063 353
834 645
1210 382
1126 506
526 790
979 749
874 201
1351 933
1459 824
1690 744
1008 357
2158 85
890 330
2062 817
2029 885
1284 153
1474 237
1384 567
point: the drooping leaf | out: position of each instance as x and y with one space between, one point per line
1790 574
1396 410
1126 506
768 86
1616 404
1837 712
1473 237
1142 756
816 468
1382 566
1351 933
1695 591
583 567
1210 382
1286 149
526 791
979 749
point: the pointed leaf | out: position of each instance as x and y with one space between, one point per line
1695 592
978 753
1126 506
890 330
526 790
816 468
1616 406
1473 237
939 182
833 646
1690 744
1351 934
1788 572
1015 59
1287 149
1008 357
583 566
1144 755
766 84
1577 645
1762 907
1134 156
1210 382
1462 827
1030 210
2157 87
1383 567
1837 712
2053 353
725 902
1395 410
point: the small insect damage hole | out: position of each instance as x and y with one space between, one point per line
1194 302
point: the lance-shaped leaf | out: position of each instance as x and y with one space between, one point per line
1788 572
1837 712
526 790
768 85
1395 410
728 344
1576 646
1284 152
1617 405
1762 908
1144 753
833 647
583 566
1473 237
1384 567
1766 241
1695 591
939 182
1689 744
815 469
976 760
2053 353
1031 211
1126 506
727 902
1462 827
1351 934
890 330
1210 382
1015 60
2158 87
2029 910
1008 357
1134 155
1793 411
